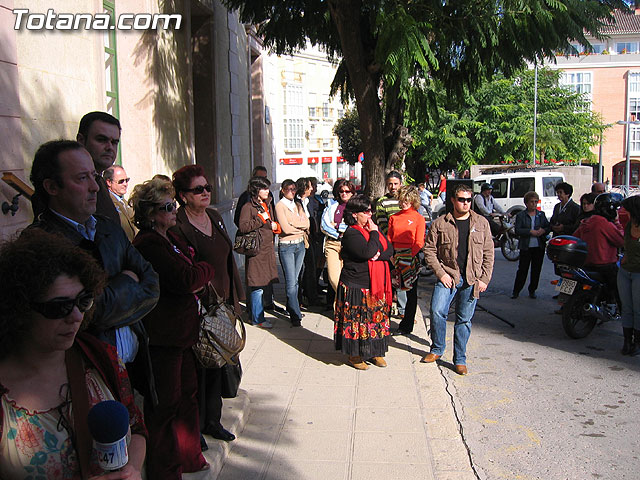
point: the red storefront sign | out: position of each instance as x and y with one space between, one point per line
312 160
291 161
327 159
341 160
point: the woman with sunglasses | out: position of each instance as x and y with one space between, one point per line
173 326
45 303
292 244
363 300
260 270
333 227
204 230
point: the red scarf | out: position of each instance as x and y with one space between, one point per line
379 271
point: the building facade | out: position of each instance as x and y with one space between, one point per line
184 94
303 116
609 77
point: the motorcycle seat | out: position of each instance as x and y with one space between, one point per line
597 276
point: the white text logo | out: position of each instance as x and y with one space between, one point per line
98 21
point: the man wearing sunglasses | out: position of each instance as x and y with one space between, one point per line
459 249
117 183
64 176
99 133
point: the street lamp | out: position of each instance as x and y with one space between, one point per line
627 173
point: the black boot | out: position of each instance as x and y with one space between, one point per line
628 345
635 349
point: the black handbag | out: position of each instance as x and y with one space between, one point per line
231 377
247 243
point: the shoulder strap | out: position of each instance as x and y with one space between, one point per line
80 399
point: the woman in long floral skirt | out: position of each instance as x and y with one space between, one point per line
363 302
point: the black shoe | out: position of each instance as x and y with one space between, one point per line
514 296
399 331
203 444
533 295
220 434
296 323
555 297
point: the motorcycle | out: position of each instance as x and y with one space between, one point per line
585 300
507 238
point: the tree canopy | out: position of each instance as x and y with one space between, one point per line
495 124
386 46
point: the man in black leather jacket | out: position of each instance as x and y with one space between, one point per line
63 176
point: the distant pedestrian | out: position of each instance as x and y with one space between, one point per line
532 228
442 188
363 300
459 249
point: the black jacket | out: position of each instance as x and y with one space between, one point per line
523 228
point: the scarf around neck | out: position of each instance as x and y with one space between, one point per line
379 271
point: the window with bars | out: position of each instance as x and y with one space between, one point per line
633 102
579 82
293 112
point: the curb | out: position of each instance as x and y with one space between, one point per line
235 413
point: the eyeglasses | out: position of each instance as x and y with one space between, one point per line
464 199
60 308
200 189
345 191
290 189
168 207
123 180
367 211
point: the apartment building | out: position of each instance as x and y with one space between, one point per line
303 116
609 77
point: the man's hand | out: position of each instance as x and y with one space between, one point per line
447 281
132 275
557 228
482 286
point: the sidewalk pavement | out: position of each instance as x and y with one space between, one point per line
304 414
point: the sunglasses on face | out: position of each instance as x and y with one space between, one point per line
464 199
60 308
345 191
123 180
168 207
200 189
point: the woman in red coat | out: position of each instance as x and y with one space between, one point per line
407 233
173 326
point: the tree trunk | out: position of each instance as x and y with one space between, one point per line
365 82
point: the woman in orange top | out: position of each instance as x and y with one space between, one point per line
407 233
261 269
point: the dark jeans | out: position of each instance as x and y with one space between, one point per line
534 257
610 273
309 281
494 225
406 325
210 398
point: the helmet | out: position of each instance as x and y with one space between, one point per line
486 186
607 205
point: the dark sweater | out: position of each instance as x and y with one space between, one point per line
356 252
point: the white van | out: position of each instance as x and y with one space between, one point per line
509 188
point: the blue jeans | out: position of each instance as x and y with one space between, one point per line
292 259
257 310
465 307
629 290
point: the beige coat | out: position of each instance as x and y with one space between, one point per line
441 250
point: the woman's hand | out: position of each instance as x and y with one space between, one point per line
274 226
371 226
127 473
264 216
376 256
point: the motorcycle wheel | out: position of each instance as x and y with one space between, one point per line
575 321
510 248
